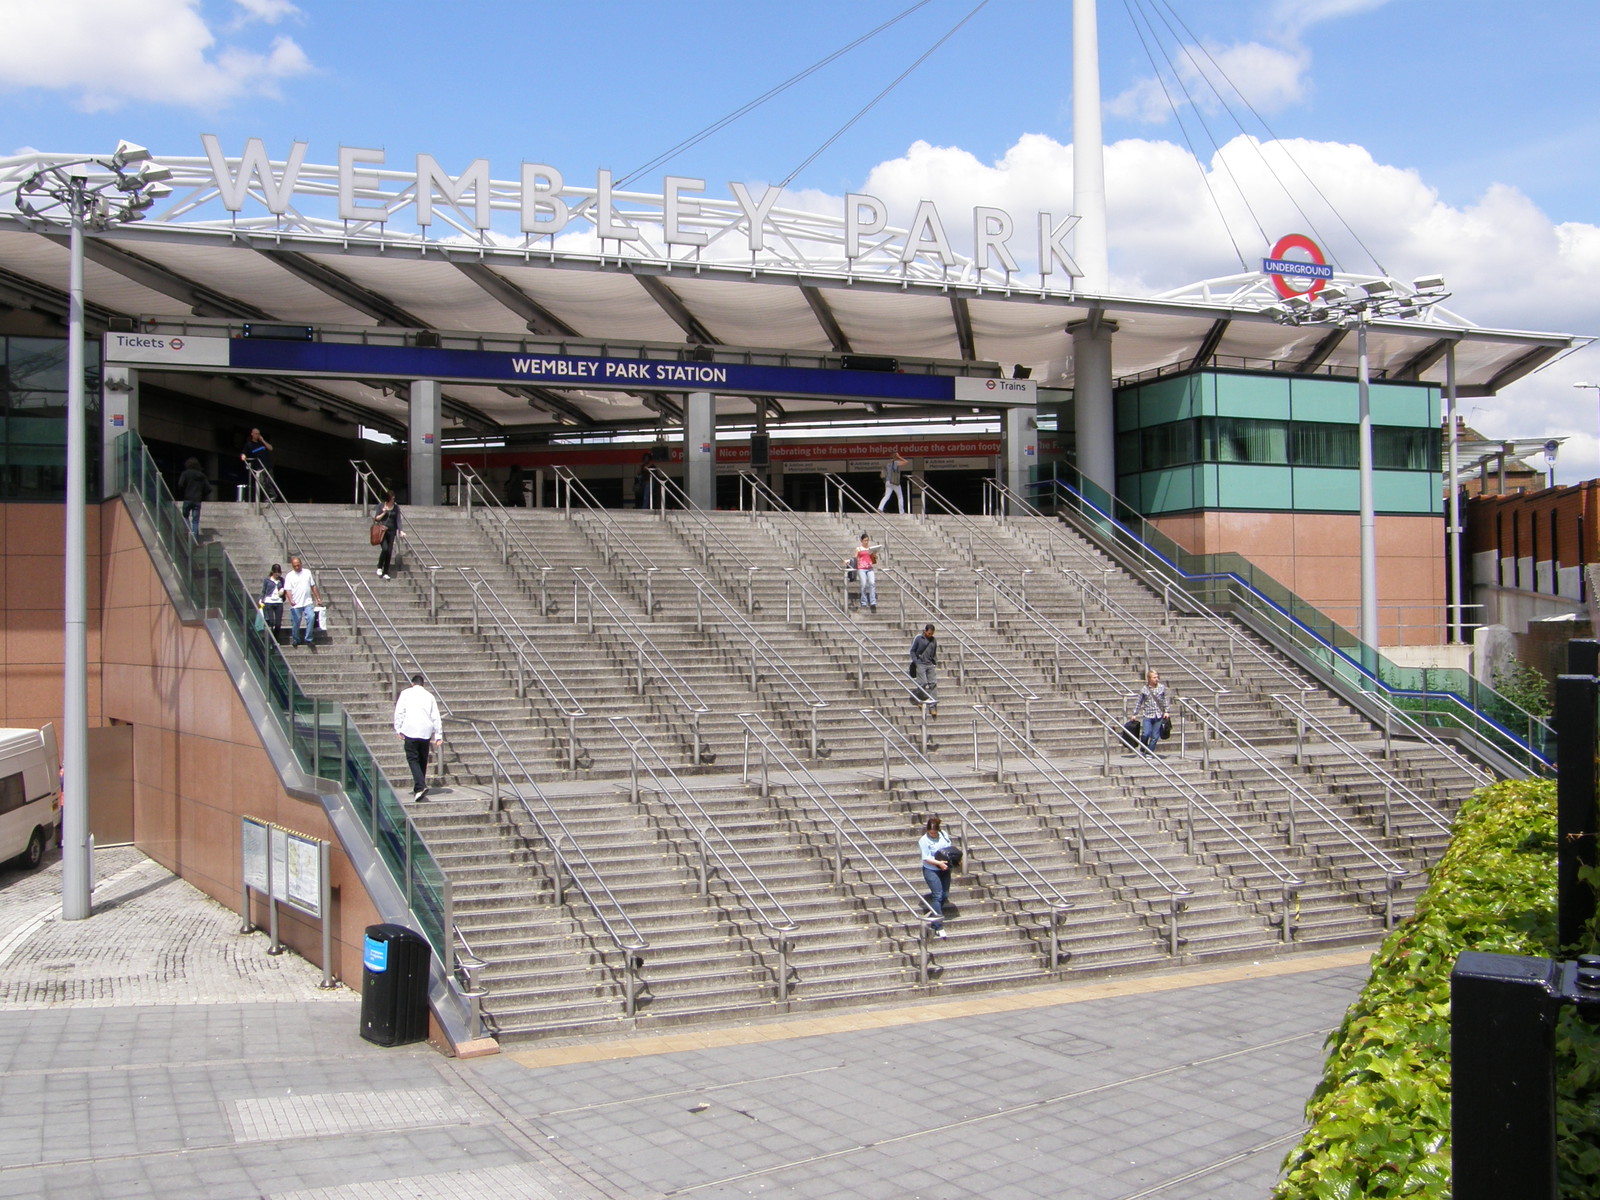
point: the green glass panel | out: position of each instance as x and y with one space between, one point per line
1252 396
1407 492
1404 404
1322 489
1127 406
1169 491
1167 400
1333 400
1254 487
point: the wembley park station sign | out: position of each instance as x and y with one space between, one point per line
370 195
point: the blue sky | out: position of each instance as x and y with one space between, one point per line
1460 137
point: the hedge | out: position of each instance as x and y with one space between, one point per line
1379 1121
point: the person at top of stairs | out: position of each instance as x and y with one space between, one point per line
388 516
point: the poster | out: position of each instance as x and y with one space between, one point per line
279 840
253 837
303 877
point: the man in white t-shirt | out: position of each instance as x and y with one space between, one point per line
301 588
417 723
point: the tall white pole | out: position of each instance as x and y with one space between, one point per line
1455 493
1369 532
1088 151
75 881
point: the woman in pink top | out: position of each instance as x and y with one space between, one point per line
865 561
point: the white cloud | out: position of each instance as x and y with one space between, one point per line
1211 77
1294 17
1507 263
107 52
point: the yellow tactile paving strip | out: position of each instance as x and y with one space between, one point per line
779 1029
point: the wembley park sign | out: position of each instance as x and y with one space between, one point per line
371 197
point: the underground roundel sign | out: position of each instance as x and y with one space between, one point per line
1297 276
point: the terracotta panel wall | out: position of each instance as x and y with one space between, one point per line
1317 556
198 765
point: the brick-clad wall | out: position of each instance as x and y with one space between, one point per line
198 765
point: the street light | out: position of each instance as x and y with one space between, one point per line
1358 305
1594 387
89 194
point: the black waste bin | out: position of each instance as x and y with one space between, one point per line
394 986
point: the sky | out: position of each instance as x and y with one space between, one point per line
1458 138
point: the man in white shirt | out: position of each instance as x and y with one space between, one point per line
416 721
301 589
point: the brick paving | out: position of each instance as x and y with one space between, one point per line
153 1051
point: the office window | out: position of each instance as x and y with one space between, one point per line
1316 444
1169 445
1245 440
1405 449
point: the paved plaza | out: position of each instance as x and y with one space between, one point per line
153 1051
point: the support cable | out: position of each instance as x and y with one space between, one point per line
1205 178
769 94
1243 99
871 104
1221 159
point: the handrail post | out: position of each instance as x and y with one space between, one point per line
814 741
1288 914
572 742
783 969
922 953
433 595
630 981
1055 939
650 592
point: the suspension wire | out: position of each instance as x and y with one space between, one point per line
770 93
1222 100
1222 161
1205 179
871 104
1304 174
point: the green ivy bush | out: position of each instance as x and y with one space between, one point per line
1380 1118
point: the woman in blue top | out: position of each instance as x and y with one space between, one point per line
935 870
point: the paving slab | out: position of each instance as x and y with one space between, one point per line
154 1051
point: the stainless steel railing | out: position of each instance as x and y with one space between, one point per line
572 864
848 834
588 594
716 850
1308 722
483 507
1086 810
531 665
999 858
1197 802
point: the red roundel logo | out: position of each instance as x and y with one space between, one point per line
176 343
1281 281
989 383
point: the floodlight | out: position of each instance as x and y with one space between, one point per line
1296 303
1332 294
1587 385
1276 311
128 152
1378 287
157 191
1428 283
151 173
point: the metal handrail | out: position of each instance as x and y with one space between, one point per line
1287 880
265 491
645 649
615 539
992 839
670 788
378 617
1306 720
1297 793
406 541
522 644
847 830
369 488
1086 808
966 644
761 651
1332 653
558 846
470 486
1260 658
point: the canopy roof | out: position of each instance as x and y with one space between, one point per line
206 275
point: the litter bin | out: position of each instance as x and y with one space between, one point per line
394 986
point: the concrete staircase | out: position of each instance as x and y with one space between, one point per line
786 899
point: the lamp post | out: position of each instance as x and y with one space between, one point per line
1359 306
1593 387
1550 449
88 195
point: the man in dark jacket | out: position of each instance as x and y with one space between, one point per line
924 659
193 488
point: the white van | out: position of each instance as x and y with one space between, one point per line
30 793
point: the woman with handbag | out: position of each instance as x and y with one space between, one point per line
934 846
385 528
863 561
1151 711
